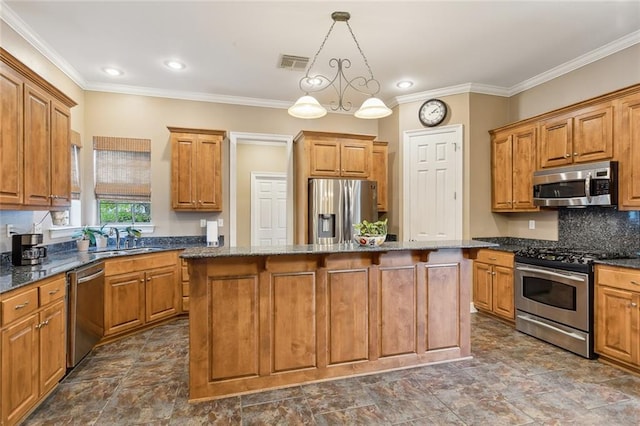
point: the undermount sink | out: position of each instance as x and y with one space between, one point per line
120 252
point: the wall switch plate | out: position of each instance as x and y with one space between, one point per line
9 230
532 224
203 223
220 222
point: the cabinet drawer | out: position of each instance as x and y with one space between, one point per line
622 278
140 262
52 290
19 306
495 257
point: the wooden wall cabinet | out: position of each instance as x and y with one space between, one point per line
493 290
326 155
581 136
34 345
36 140
380 173
628 136
139 290
513 161
196 169
617 315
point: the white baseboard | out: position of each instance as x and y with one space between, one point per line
473 309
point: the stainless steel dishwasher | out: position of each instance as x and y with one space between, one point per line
86 311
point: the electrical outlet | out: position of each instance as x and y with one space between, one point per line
532 224
9 230
203 223
37 228
220 222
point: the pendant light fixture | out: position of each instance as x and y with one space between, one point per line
308 107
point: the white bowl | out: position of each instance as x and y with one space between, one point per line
369 241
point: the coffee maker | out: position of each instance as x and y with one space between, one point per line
24 250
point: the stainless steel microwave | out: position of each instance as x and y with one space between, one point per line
590 184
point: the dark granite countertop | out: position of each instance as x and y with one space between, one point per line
204 252
624 263
12 277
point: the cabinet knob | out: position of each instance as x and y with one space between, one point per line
633 304
575 154
52 292
567 155
635 282
493 258
149 279
493 273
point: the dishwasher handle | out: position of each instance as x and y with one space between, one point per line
90 277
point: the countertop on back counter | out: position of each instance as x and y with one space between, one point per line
12 277
204 252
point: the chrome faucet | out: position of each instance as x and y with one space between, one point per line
117 232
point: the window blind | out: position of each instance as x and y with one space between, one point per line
122 168
76 143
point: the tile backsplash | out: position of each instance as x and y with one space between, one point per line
599 227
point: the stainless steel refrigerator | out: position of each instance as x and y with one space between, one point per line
335 205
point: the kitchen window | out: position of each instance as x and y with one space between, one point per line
122 179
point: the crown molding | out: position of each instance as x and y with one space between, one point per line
579 62
17 24
187 96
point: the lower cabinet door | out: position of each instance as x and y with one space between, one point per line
617 324
482 286
53 346
162 293
123 302
19 369
503 297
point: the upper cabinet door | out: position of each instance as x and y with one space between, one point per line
324 157
524 164
628 135
11 170
593 135
501 172
60 155
355 158
37 147
209 181
183 155
556 142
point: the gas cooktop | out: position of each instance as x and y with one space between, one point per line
568 255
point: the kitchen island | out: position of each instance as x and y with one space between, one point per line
270 317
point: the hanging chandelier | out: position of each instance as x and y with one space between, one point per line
308 107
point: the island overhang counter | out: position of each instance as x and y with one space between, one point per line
270 317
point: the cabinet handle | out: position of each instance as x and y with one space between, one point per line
22 305
635 282
633 305
141 281
493 273
567 155
38 326
575 154
149 279
493 258
52 292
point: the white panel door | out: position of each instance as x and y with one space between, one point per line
268 209
433 185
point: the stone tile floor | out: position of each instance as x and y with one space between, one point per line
513 379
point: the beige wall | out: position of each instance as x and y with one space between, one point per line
109 114
253 158
614 72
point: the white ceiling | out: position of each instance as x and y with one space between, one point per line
232 48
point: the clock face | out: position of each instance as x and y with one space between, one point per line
432 112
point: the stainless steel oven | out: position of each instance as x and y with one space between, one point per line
555 305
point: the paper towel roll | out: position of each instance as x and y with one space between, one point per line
212 233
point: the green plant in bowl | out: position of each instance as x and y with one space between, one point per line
87 233
370 234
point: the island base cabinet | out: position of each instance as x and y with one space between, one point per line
264 322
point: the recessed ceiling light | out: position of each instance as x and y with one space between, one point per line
405 84
175 65
112 71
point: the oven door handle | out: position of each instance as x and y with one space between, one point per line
542 324
553 274
587 187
